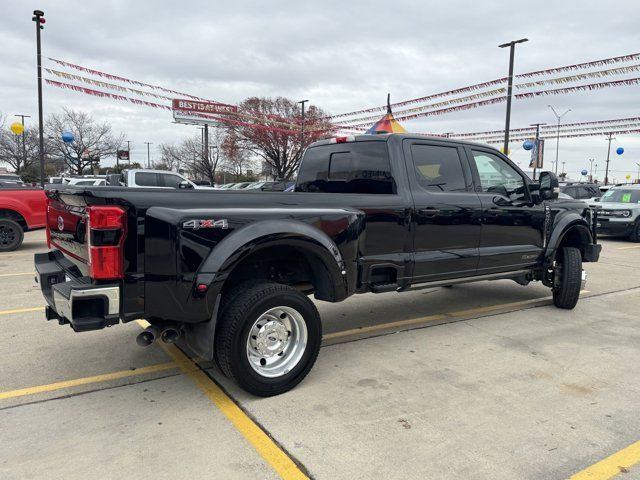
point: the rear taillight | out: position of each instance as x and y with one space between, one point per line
107 231
47 230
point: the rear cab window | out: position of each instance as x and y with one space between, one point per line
353 167
147 179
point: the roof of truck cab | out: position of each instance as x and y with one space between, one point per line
401 136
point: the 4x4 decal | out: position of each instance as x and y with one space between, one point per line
205 223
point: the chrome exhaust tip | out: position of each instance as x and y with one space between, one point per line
148 336
170 335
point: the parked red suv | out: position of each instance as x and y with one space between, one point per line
21 209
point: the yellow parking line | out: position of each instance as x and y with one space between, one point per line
21 310
611 466
86 380
15 274
258 438
436 318
627 248
384 326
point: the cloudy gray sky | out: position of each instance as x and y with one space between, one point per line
343 56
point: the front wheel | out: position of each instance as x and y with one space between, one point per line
11 235
568 278
268 338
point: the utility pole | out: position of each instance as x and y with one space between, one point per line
638 177
129 142
206 145
24 133
591 160
148 154
606 171
538 154
512 47
559 117
302 102
38 17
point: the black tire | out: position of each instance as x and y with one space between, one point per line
567 292
635 233
11 235
243 306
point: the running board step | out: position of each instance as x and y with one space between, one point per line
384 287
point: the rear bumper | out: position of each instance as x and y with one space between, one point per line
72 299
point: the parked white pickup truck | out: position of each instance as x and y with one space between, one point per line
155 179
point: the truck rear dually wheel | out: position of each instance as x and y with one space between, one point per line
268 338
568 278
11 235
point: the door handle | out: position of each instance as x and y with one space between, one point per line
429 211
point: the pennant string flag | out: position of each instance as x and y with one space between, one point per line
581 76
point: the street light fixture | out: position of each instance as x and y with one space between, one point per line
559 118
511 46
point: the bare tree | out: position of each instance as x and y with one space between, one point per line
190 155
281 146
16 154
93 141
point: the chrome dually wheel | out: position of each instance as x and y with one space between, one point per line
277 341
268 337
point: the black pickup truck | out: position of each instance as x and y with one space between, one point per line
229 273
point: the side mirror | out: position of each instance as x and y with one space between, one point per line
184 185
549 187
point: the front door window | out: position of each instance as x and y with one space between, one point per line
497 176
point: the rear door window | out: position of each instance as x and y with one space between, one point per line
147 179
355 167
437 168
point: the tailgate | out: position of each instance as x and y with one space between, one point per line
67 226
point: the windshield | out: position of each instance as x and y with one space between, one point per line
622 196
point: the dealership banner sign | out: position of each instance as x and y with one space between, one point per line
203 107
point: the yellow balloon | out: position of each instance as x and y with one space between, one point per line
508 151
628 177
17 128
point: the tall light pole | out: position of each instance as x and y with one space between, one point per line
24 132
591 160
302 102
148 154
606 171
638 177
512 47
559 118
38 17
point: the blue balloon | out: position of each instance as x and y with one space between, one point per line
68 137
584 171
528 145
620 151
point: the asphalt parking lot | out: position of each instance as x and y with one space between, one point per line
478 381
